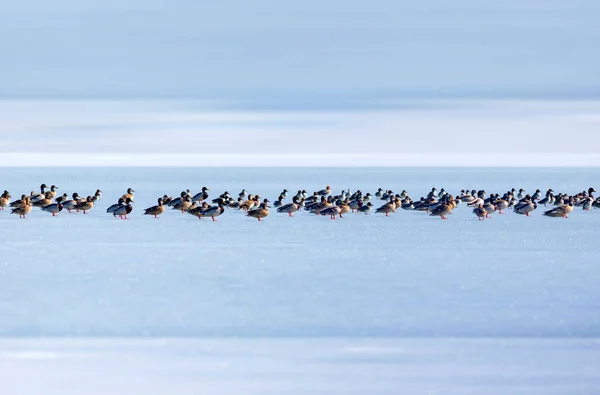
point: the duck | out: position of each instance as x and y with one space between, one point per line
183 205
124 209
53 208
521 195
244 194
155 210
502 204
355 204
279 202
290 207
213 211
261 212
389 207
548 199
284 193
525 207
489 208
587 203
97 196
53 189
201 196
248 204
366 208
70 204
115 206
331 211
24 208
128 194
562 210
432 194
199 211
441 210
344 208
480 212
43 202
40 195
86 205
407 204
61 199
19 202
4 200
178 200
325 192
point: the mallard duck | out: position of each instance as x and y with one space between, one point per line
325 192
290 207
34 197
561 211
86 205
155 210
97 196
116 206
199 211
124 210
525 207
441 210
4 200
24 208
387 208
344 208
53 208
260 212
128 194
331 211
279 202
183 205
355 204
43 202
201 196
53 189
501 204
480 212
70 204
249 204
213 212
61 199
366 208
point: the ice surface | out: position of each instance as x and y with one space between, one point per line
396 278
300 366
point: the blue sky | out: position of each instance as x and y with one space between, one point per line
272 51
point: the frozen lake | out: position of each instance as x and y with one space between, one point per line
506 287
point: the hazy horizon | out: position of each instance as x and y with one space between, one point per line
337 83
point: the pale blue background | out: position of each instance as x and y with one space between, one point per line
299 53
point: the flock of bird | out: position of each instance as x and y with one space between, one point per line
323 202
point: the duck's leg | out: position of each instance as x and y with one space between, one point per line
214 220
386 213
